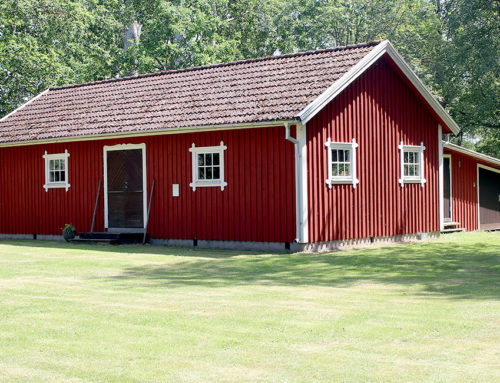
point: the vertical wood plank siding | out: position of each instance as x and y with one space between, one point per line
379 110
258 203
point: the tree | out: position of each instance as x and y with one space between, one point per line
453 45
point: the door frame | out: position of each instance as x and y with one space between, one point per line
477 183
105 151
451 187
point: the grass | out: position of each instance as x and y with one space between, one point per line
419 312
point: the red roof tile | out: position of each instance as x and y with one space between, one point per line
256 90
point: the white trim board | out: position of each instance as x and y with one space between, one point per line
440 177
366 62
471 153
449 156
107 149
303 211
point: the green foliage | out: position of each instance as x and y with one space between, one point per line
453 45
68 228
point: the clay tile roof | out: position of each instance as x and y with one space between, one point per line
256 90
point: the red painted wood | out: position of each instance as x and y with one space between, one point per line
257 205
379 110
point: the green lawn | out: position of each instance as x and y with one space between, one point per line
420 312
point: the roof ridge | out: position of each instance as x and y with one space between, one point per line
221 65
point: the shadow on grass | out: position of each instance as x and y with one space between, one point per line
448 268
461 271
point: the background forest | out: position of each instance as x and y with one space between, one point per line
453 45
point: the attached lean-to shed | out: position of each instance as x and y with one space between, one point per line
471 189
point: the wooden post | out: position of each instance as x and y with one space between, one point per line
149 211
95 207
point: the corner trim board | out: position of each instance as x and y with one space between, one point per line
440 177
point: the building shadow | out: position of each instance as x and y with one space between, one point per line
442 269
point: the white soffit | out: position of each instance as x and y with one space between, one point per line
384 47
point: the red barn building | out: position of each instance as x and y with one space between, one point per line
307 150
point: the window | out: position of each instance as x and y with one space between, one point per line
412 159
341 163
56 171
208 166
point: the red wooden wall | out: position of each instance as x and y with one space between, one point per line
379 110
464 189
257 205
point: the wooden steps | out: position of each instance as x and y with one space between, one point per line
452 227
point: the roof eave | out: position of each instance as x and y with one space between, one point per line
157 132
472 153
366 62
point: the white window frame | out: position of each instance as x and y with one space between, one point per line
195 150
339 180
420 179
60 184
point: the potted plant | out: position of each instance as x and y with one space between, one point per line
68 231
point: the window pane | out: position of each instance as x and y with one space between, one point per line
62 164
347 156
334 155
201 173
56 176
62 176
406 170
341 169
216 173
347 170
406 157
216 158
208 173
201 160
335 170
341 156
51 176
417 170
208 159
